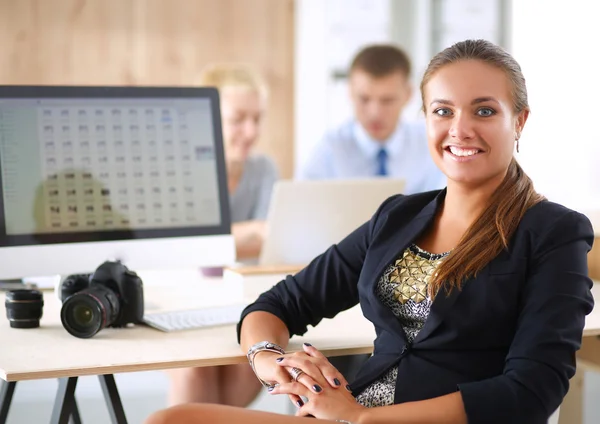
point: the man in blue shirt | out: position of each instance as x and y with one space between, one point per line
377 142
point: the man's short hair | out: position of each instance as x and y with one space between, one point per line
381 60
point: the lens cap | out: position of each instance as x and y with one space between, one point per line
24 308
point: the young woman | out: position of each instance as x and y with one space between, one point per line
250 177
478 292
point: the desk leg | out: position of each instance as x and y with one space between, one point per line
75 417
7 388
113 401
64 405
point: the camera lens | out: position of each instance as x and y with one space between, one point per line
83 315
24 308
87 312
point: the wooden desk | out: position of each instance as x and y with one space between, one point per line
51 352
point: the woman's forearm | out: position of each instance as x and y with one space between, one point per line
259 326
448 409
248 236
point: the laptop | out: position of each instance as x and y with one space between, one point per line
307 217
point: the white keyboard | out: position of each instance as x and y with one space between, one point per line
194 318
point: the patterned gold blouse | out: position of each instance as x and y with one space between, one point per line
403 287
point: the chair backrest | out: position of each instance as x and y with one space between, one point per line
306 217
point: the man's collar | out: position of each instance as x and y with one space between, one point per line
370 147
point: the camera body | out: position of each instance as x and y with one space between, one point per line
112 296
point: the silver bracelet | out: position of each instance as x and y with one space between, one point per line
343 421
264 346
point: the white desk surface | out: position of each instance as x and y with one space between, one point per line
51 352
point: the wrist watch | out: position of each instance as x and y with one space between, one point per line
264 346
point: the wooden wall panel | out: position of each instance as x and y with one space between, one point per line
153 42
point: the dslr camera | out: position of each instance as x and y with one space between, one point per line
112 296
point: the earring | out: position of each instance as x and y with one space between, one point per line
517 140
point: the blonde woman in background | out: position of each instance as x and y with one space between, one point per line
250 176
250 179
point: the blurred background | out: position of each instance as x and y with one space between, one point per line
303 49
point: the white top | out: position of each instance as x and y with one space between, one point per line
349 152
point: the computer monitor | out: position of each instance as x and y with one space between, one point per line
89 174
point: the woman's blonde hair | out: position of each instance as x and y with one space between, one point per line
222 75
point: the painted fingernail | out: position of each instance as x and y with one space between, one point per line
317 388
348 387
307 344
299 403
270 388
336 381
279 359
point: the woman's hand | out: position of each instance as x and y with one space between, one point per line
317 370
268 369
318 383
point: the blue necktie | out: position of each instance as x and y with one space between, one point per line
382 162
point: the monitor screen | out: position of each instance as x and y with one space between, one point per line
98 164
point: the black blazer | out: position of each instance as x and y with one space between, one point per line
506 340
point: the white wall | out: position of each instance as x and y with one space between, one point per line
556 44
328 34
310 109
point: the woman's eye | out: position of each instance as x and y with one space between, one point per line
486 111
442 111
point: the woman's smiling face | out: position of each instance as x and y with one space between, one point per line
471 122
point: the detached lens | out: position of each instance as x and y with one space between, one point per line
24 308
86 313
